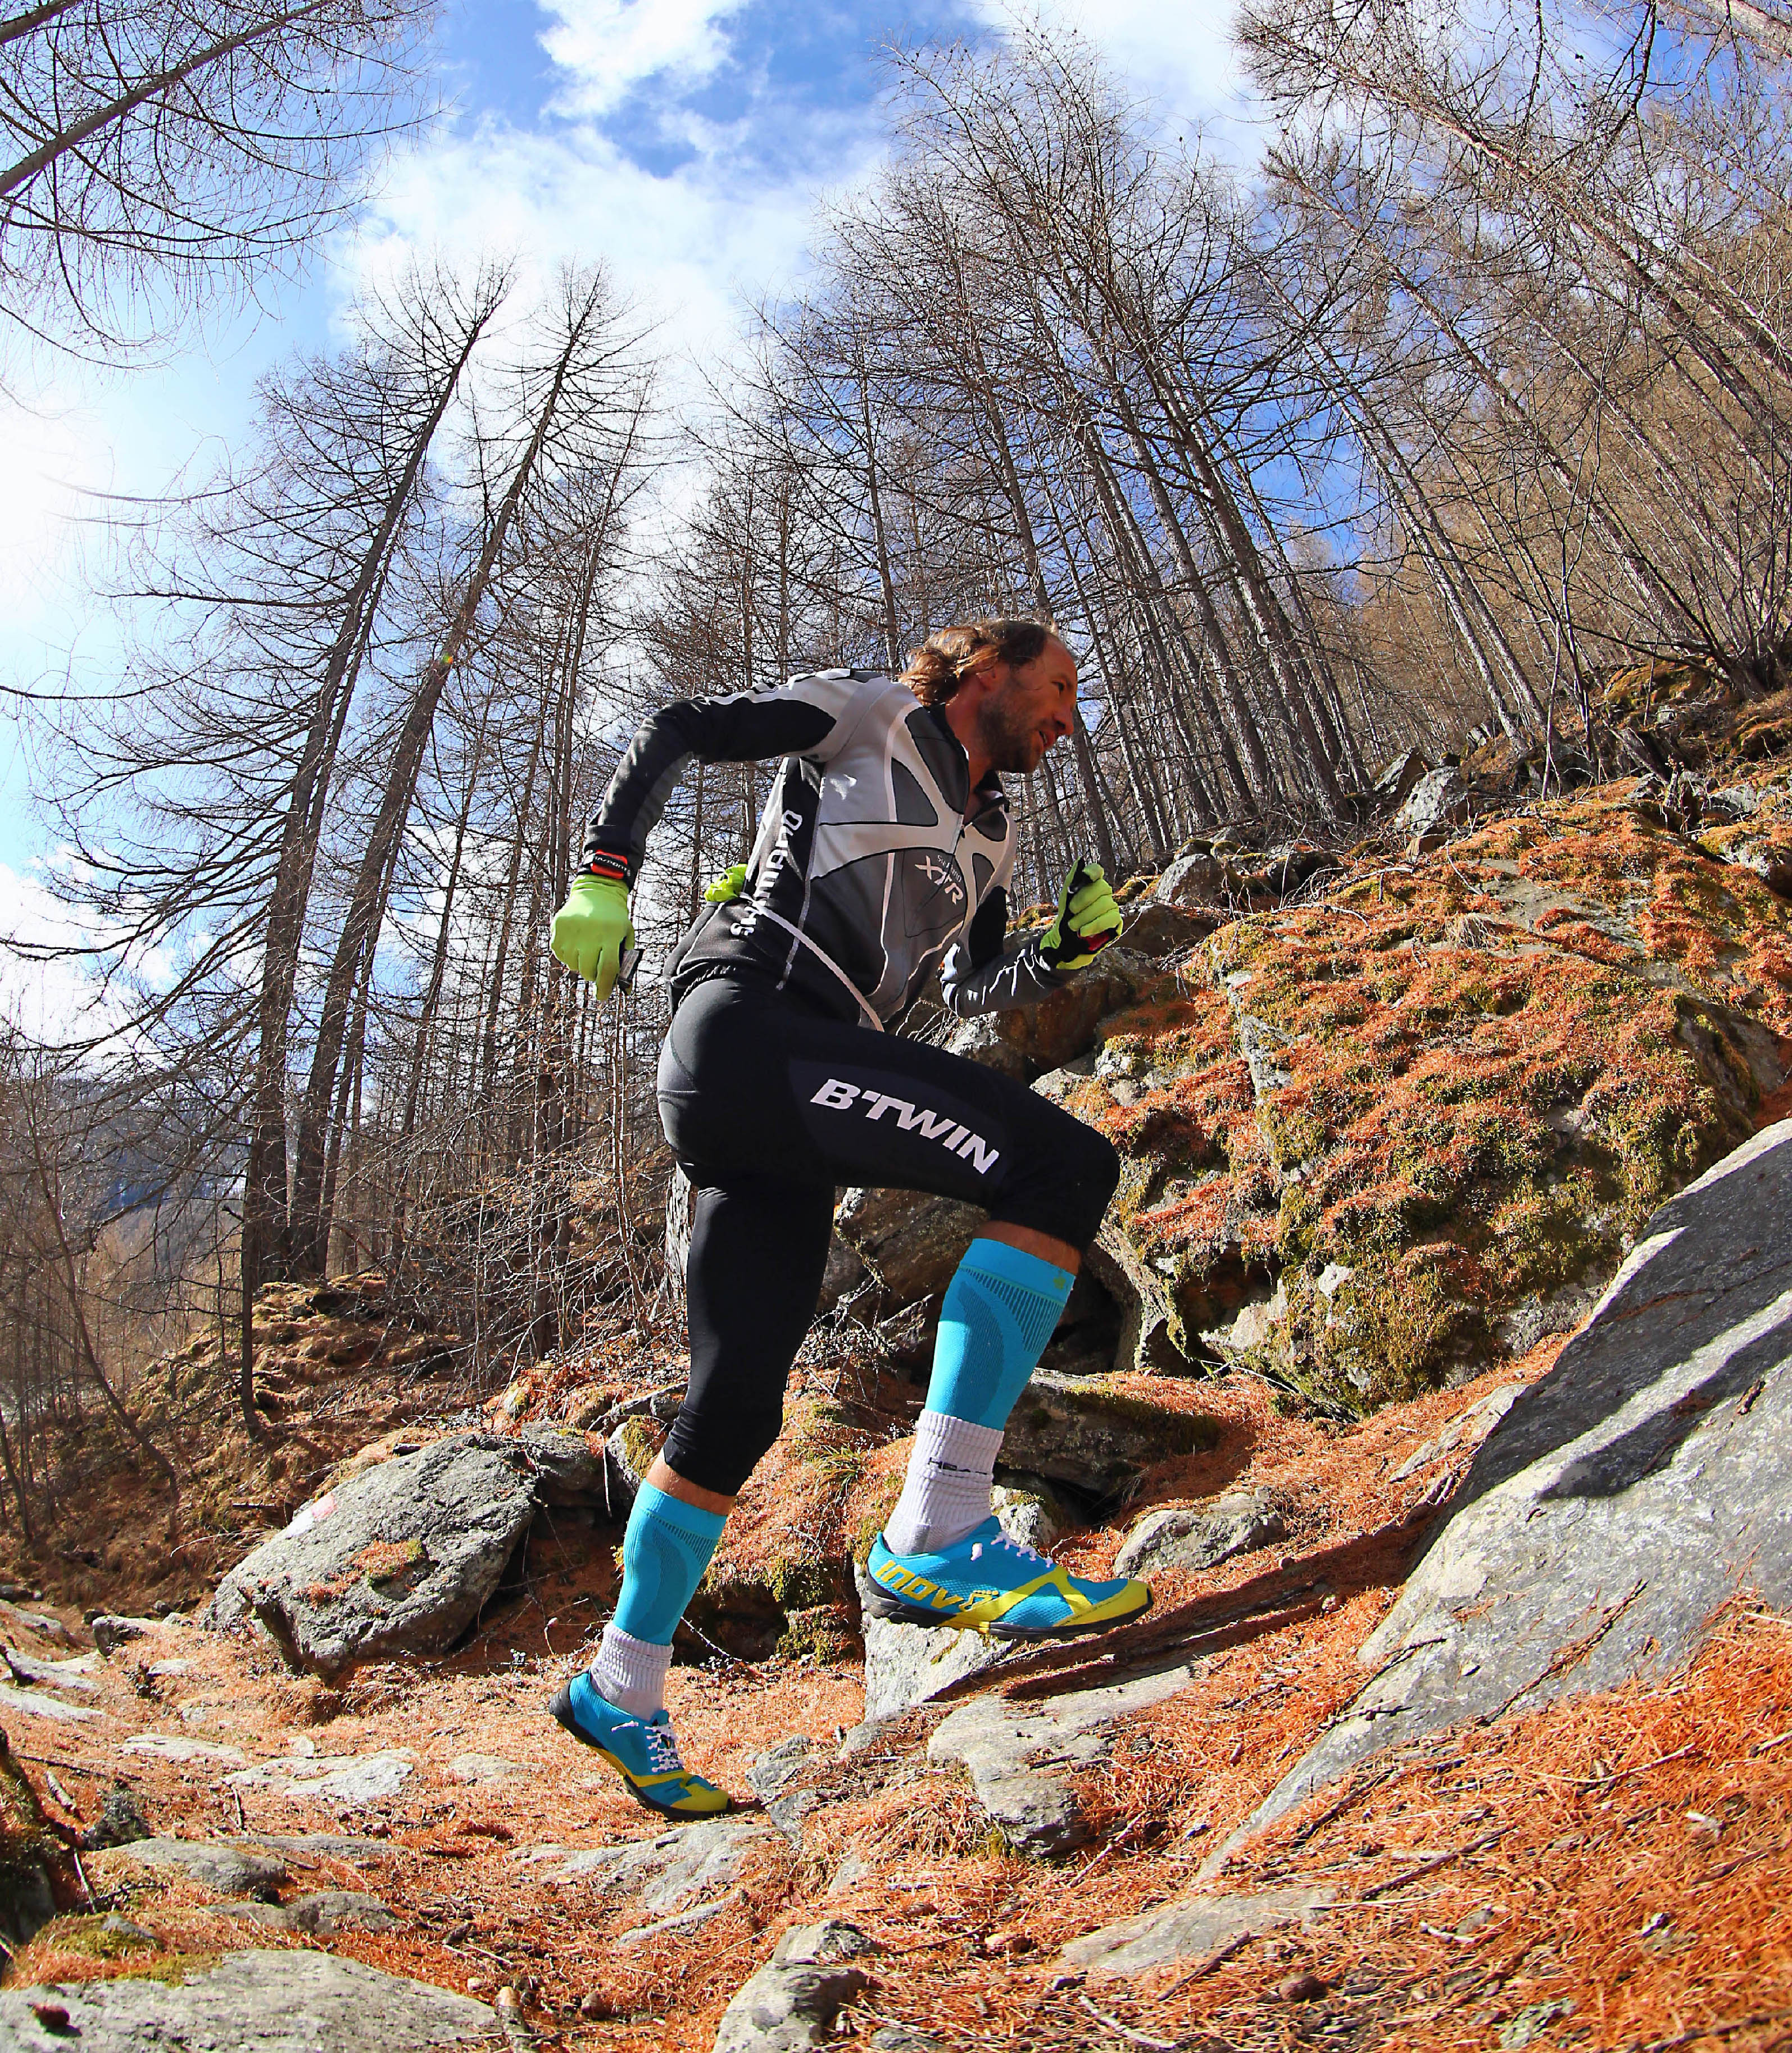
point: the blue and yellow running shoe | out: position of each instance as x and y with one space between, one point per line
642 1750
988 1583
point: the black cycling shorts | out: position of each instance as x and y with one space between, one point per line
769 1104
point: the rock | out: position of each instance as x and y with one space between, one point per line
911 1242
76 1675
1160 930
483 1768
1189 1927
1201 1536
844 1276
126 1932
399 1561
1439 799
111 1632
43 1622
568 1464
779 1764
790 2005
34 1703
1030 1511
1196 879
1080 1430
628 1454
120 1822
664 1873
1397 778
1010 1751
326 1846
905 1665
231 1870
1620 1500
164 1746
1466 1431
899 2039
256 2002
339 1782
1025 1041
321 1913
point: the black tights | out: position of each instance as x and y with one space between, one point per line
769 1104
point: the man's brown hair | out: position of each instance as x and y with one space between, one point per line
943 661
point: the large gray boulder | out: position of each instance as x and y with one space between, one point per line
1025 1041
1439 799
296 2002
911 1242
398 1560
1620 1501
1079 1429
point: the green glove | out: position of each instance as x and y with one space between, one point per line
1087 920
592 931
731 884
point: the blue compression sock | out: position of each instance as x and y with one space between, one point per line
665 1551
1000 1308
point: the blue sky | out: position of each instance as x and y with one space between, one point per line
686 142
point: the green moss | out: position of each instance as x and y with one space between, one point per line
88 1937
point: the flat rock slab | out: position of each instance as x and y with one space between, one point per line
34 1703
165 1746
254 2002
1017 1753
483 1767
665 1873
232 1870
1620 1501
399 1561
1190 1927
338 1782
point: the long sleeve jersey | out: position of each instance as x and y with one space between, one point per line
864 848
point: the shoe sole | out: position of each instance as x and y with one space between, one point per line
894 1611
559 1709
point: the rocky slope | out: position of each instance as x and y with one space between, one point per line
1458 1718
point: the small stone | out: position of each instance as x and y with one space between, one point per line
999 1943
593 2006
127 1933
52 2016
1300 1988
120 1824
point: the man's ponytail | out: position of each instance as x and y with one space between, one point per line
943 661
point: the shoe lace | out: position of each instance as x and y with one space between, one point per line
663 1751
1018 1548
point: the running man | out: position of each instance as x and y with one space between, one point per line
884 852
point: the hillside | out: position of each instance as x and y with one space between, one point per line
1394 1120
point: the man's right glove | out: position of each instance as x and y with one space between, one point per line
592 931
731 884
1087 920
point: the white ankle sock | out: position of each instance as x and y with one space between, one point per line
631 1673
947 1490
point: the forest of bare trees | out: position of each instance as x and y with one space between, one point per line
1475 387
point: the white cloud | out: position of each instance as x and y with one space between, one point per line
61 1000
608 48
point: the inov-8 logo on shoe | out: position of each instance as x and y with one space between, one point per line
951 1133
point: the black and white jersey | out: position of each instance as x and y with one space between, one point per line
864 851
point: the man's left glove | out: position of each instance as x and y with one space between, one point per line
1087 920
731 884
592 931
